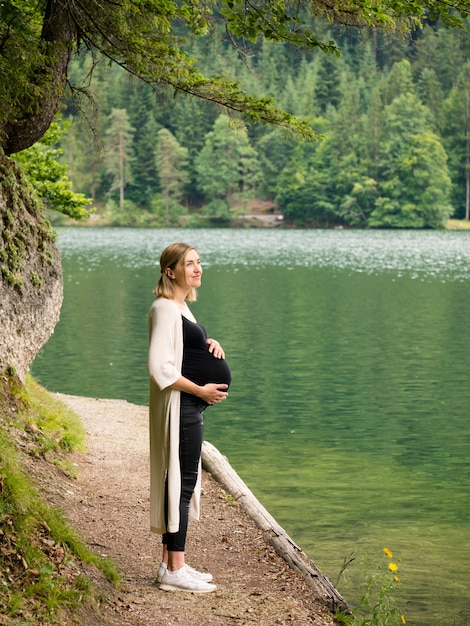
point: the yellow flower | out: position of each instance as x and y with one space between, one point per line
396 579
393 567
403 620
388 553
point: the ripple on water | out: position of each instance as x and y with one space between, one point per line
421 254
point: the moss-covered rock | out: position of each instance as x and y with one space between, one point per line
30 273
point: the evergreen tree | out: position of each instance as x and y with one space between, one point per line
305 86
373 130
171 160
139 101
354 186
304 195
144 183
289 97
398 81
327 85
119 151
275 151
306 186
347 120
414 184
457 140
443 51
192 120
84 157
430 92
272 67
227 167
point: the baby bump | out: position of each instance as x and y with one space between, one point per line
202 368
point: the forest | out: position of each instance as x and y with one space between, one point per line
392 115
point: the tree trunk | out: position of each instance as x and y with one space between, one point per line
167 207
219 467
121 173
30 123
467 154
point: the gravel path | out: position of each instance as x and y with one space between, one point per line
108 505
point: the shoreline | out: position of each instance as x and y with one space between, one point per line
108 506
219 468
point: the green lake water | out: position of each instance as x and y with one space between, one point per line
349 412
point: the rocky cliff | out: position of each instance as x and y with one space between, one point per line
30 273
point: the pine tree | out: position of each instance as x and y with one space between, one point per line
327 86
414 184
398 81
457 140
119 151
171 159
227 167
430 92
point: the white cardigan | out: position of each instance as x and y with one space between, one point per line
165 359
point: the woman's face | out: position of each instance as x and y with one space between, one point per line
188 272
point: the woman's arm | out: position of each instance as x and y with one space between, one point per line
163 364
210 393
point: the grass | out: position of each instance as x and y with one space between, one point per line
56 428
46 571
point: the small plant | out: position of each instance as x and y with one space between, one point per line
229 499
378 603
35 279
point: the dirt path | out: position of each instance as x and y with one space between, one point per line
108 504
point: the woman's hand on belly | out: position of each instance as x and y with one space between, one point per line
213 392
215 349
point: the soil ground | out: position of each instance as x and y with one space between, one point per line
108 506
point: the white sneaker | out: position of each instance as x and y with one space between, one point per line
181 580
204 576
161 570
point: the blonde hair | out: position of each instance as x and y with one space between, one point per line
172 255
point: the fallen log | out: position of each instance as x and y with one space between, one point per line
221 470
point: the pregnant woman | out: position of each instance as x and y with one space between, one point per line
188 372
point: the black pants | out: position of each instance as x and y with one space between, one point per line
191 434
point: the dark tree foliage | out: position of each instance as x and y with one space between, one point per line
38 38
